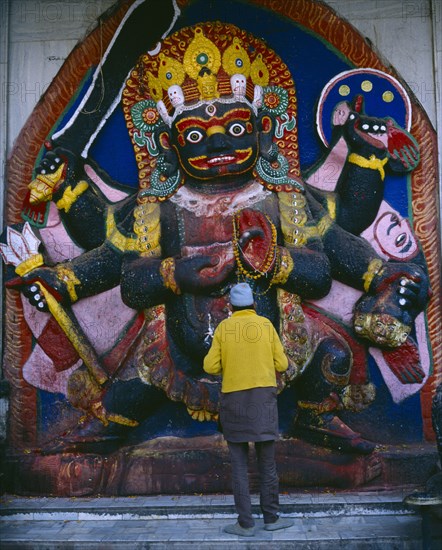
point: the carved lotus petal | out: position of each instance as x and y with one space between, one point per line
20 246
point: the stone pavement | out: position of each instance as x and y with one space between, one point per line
354 520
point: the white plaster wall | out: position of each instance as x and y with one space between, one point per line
42 33
37 35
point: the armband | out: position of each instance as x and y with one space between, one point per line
373 269
115 237
28 265
70 196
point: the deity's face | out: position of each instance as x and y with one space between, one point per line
395 237
216 143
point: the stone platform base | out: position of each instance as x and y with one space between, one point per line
352 520
201 465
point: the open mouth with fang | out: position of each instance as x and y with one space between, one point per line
206 162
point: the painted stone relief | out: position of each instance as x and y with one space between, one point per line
191 179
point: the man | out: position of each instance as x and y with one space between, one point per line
246 351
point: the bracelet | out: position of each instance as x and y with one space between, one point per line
284 267
28 265
67 276
373 269
70 196
167 272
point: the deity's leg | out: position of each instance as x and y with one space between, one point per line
131 399
318 392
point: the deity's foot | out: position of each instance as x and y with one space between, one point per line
327 430
88 437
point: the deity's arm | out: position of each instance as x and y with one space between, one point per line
302 266
149 281
309 270
354 262
93 219
350 256
90 273
96 270
85 211
142 284
349 180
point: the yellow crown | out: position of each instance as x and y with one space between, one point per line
192 69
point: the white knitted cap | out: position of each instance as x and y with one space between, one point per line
241 295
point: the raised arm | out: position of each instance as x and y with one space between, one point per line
83 208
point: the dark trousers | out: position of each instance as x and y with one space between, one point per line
269 483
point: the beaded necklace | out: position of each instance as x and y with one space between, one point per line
272 261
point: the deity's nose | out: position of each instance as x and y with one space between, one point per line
217 141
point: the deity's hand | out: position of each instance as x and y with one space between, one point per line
397 293
341 113
54 280
202 273
403 148
58 169
405 363
408 282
